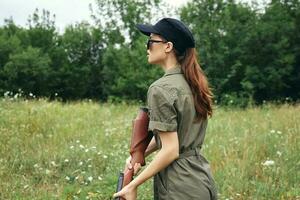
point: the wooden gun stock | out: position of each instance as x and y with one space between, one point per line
140 140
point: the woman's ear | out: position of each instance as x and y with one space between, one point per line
169 47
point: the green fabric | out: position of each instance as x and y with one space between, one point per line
171 108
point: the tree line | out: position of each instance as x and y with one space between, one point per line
249 54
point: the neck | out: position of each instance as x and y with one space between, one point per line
169 62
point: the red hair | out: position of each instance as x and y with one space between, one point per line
198 83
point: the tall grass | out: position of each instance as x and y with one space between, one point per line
51 150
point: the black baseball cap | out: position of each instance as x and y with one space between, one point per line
172 30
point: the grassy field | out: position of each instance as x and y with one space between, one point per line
51 150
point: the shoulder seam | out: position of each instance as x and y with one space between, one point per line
172 99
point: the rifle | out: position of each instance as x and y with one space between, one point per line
140 138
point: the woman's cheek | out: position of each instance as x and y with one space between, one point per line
151 59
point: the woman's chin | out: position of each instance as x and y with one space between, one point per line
150 61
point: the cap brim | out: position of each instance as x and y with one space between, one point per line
146 29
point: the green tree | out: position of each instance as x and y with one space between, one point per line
125 71
42 32
271 53
221 29
27 70
247 54
119 17
74 74
9 44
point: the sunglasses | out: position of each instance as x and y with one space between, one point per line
150 42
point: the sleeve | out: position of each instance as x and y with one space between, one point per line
162 113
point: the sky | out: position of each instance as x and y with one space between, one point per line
66 11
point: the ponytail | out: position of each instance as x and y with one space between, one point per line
198 83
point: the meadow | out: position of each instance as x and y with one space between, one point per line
54 150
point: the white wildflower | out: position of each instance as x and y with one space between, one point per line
36 165
6 94
86 150
99 178
89 166
80 163
90 178
67 178
272 131
47 171
71 147
77 141
268 163
81 146
66 160
278 153
279 132
104 156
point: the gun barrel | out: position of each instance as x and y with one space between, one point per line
120 184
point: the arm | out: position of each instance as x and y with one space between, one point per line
168 153
151 147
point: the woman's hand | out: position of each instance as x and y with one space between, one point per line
129 192
136 167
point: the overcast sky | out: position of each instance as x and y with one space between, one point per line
66 11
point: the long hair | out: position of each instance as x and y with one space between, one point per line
197 81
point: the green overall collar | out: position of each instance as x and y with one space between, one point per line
173 70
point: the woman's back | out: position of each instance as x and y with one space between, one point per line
171 106
173 89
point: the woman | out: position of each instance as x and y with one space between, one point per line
179 104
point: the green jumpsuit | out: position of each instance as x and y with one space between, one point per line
171 108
